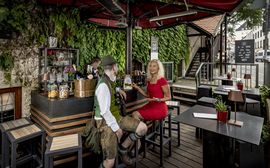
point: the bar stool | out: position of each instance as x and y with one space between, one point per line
26 134
136 154
63 145
8 126
163 139
172 104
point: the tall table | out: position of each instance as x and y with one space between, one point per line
250 132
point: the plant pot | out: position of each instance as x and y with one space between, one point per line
222 116
229 76
240 86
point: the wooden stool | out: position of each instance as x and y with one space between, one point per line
63 145
163 139
8 126
26 133
172 105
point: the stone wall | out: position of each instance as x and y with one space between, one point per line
24 73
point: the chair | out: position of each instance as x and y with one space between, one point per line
63 145
163 139
255 108
8 126
204 91
26 134
207 101
204 97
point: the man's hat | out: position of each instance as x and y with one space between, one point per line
108 60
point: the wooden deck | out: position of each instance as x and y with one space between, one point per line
188 155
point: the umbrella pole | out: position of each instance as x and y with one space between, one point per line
128 64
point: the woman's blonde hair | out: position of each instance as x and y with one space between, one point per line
160 69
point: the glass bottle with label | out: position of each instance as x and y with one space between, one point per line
127 83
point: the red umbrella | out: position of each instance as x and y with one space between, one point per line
109 12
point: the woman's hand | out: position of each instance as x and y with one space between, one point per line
135 86
151 99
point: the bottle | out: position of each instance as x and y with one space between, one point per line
63 91
78 75
127 83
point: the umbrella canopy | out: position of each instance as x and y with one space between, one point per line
129 14
112 13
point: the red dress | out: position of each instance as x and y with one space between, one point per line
155 110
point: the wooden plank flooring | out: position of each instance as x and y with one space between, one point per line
187 155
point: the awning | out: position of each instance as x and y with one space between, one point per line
110 13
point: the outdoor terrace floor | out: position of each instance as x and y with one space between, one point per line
187 155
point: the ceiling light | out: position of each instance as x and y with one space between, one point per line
173 15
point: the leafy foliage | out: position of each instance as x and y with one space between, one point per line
265 94
6 60
266 132
253 17
220 105
172 44
36 23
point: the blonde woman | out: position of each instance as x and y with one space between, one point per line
158 92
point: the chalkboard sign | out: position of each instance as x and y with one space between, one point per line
244 51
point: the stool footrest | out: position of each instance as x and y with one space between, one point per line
166 139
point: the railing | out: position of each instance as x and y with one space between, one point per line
208 73
196 45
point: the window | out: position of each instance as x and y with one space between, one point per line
261 33
168 67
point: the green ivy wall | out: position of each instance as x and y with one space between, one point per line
36 23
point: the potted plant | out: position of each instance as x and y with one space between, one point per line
221 109
239 85
229 75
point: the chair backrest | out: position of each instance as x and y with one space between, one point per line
204 91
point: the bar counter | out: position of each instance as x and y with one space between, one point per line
66 116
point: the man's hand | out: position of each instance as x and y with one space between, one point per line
90 76
119 134
123 94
